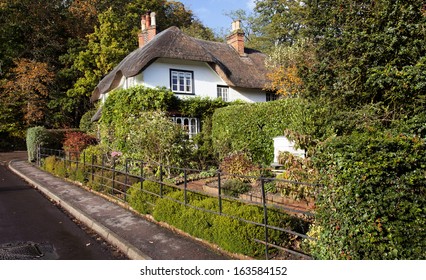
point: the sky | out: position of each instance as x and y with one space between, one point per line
212 12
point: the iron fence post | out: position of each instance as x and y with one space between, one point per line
102 170
77 158
65 162
84 165
219 190
141 179
92 171
127 171
161 180
126 178
265 216
113 175
184 186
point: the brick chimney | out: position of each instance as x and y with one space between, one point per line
148 29
236 38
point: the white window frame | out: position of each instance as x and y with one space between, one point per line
223 92
190 125
130 82
182 81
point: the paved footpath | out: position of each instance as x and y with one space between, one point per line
137 237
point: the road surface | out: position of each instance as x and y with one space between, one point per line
32 227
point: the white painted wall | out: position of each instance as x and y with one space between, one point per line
205 80
247 95
282 144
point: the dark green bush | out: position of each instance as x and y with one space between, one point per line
143 200
229 233
86 124
169 211
372 205
235 187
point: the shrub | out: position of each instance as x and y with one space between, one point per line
49 164
372 204
229 233
239 166
77 141
252 127
86 124
299 178
48 138
55 166
235 187
35 136
143 199
95 151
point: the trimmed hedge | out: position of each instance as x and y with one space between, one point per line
230 234
372 205
48 138
143 199
251 128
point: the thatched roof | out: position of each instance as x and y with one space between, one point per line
240 71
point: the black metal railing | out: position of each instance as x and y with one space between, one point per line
115 176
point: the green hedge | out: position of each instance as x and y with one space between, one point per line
252 127
372 205
230 234
143 199
48 138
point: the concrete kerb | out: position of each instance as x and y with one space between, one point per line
131 251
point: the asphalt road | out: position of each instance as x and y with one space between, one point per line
30 222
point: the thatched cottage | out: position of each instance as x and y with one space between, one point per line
190 66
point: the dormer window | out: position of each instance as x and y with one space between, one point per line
182 81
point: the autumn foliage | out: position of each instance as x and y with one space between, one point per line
30 87
78 141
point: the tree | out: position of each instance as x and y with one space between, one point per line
284 62
368 52
274 22
28 87
116 36
198 30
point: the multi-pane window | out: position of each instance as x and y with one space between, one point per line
223 92
181 81
190 125
271 96
130 82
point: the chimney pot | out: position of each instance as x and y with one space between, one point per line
143 24
148 21
236 38
153 23
148 29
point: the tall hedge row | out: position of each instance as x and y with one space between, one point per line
252 127
372 205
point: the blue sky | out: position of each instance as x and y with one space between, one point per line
212 12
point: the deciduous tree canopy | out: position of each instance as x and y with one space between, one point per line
52 53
